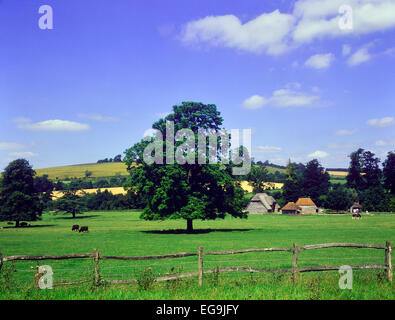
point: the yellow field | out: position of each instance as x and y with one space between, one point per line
338 173
267 185
78 170
115 190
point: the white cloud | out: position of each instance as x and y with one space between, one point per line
97 117
320 18
289 96
10 145
51 125
254 102
292 98
318 154
346 50
381 123
26 154
266 33
320 61
269 149
360 56
345 132
275 33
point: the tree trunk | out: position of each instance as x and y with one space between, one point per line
189 225
17 224
73 214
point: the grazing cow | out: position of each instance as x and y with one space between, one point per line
83 228
10 223
356 216
75 227
23 224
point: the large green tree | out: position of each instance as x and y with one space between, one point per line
293 185
371 169
354 178
70 203
364 171
315 180
185 191
19 200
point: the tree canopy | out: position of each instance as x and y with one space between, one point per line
185 191
305 181
70 203
364 171
19 200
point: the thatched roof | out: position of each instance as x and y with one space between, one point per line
266 200
291 206
305 202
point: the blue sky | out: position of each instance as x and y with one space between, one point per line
89 88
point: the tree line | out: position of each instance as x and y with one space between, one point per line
367 182
192 191
117 158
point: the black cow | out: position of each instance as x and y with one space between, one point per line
23 224
75 227
83 228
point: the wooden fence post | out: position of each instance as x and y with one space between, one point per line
36 278
200 264
388 262
96 260
295 263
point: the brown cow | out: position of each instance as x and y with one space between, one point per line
75 227
83 228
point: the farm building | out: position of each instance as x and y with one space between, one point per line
356 208
291 208
262 203
307 205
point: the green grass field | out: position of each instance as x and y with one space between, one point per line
124 234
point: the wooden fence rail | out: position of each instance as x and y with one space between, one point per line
295 270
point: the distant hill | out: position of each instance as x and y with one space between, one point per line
78 170
107 169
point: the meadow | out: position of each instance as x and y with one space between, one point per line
122 233
78 171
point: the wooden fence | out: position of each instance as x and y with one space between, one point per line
295 270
